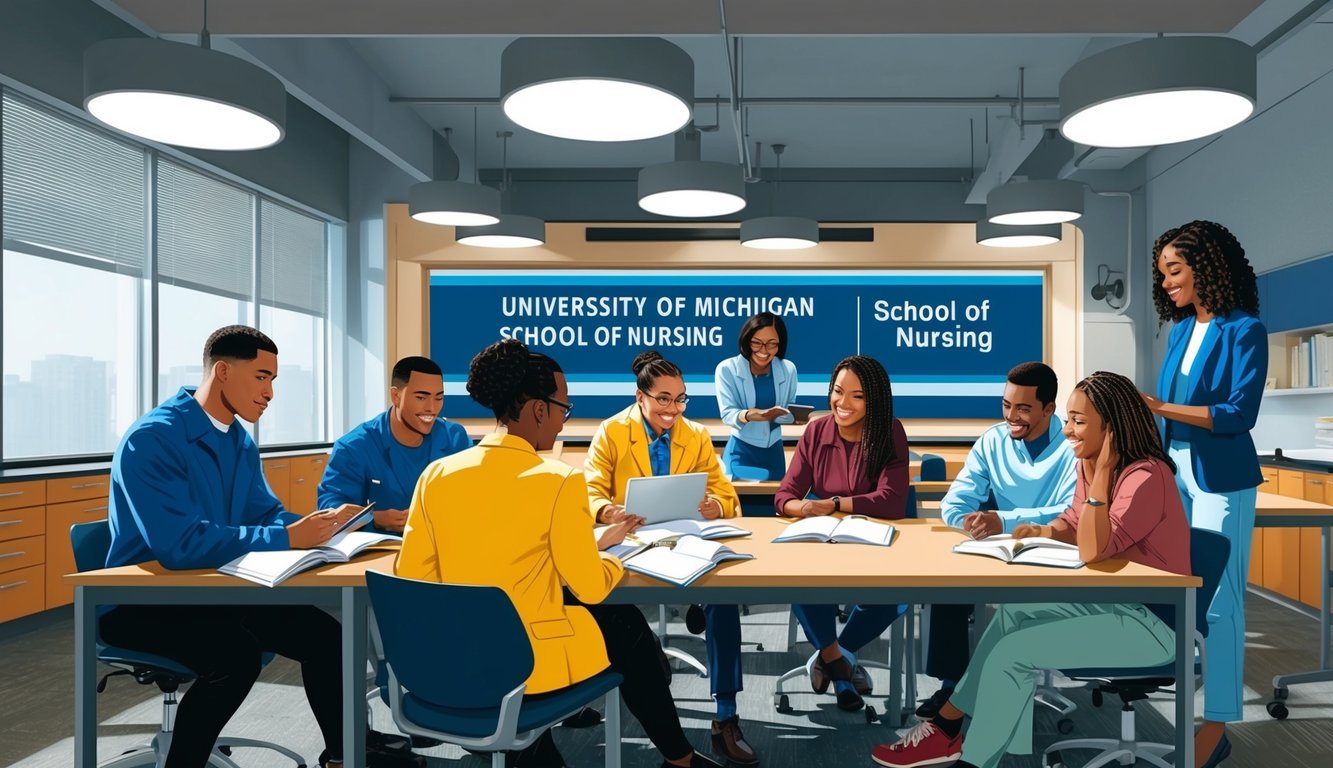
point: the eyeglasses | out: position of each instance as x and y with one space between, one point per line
771 346
665 400
566 407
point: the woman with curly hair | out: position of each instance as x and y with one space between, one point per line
1208 394
853 460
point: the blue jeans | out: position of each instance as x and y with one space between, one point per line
1232 515
866 623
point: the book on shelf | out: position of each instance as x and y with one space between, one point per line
1035 550
682 561
853 529
272 568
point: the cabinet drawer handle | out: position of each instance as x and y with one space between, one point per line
81 486
277 466
11 494
1317 482
4 555
9 522
15 584
299 480
91 510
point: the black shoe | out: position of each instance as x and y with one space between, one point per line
931 706
849 700
541 753
697 760
584 718
695 620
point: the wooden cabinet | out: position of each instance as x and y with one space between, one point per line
22 548
59 552
295 480
1288 561
278 473
21 592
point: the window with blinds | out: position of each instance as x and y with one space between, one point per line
293 260
205 232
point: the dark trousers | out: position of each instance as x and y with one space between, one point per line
948 651
722 638
224 645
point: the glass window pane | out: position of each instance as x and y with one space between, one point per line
296 414
186 318
70 357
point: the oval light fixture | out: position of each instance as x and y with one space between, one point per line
691 189
512 231
597 88
453 203
1003 236
1158 91
1043 201
183 95
780 233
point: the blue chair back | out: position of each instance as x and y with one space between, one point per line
1209 552
452 645
932 467
910 510
91 542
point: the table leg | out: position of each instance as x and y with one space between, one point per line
1185 611
894 706
354 676
85 687
1278 707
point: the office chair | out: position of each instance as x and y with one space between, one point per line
91 542
1208 553
478 706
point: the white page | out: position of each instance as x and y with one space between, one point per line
663 562
693 546
862 529
821 527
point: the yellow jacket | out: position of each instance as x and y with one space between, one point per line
500 515
619 451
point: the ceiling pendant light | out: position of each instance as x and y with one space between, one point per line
779 233
597 88
455 203
186 96
1158 91
1028 236
512 230
689 188
1035 202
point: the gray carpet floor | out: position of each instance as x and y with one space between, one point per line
36 709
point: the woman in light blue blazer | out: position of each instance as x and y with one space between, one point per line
753 389
1209 389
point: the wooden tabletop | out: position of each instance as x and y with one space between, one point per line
1271 504
918 430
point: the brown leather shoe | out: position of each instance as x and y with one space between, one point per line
822 672
861 681
729 742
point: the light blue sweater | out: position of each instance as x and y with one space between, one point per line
1026 490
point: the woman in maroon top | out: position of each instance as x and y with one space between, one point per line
853 461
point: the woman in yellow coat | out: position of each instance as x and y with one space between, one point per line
652 437
547 538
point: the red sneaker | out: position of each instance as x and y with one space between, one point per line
925 744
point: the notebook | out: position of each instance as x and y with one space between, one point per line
272 568
660 498
852 529
690 558
1030 551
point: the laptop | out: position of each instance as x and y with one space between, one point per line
662 498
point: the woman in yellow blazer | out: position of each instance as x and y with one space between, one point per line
547 539
652 437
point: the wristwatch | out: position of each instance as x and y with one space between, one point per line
837 504
1094 502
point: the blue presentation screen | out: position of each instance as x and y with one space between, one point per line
947 338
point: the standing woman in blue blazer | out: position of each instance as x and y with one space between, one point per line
753 388
1208 397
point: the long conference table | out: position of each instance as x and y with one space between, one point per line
918 568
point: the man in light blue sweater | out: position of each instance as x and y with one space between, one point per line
1019 471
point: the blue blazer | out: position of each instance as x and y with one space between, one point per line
169 500
735 393
1228 377
365 467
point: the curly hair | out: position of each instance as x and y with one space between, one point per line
1223 277
507 374
877 430
1133 429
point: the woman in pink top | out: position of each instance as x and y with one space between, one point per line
1125 506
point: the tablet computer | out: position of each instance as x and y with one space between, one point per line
801 412
661 498
365 516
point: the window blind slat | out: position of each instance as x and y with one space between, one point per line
205 231
293 259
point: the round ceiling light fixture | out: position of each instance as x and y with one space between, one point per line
1035 202
597 88
512 231
691 189
1003 236
780 233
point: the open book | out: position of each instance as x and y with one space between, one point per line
690 558
673 530
853 529
272 568
1031 551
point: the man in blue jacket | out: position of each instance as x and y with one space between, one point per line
381 459
187 491
1019 471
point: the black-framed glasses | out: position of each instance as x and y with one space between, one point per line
665 400
760 346
566 407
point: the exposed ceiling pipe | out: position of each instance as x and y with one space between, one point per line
741 149
962 102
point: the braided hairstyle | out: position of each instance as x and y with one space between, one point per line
877 429
648 365
507 374
1133 429
1223 277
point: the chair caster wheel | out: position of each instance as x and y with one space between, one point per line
1064 725
225 750
1097 698
759 647
871 715
782 704
745 610
1280 694
1053 760
1278 710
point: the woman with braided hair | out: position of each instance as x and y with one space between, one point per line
1208 394
548 540
1125 506
854 460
